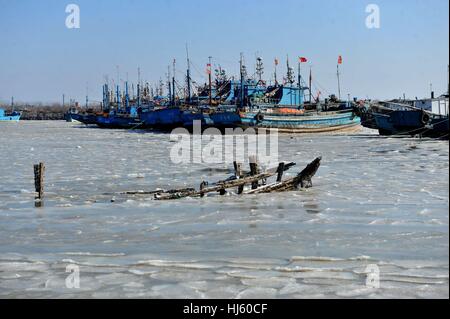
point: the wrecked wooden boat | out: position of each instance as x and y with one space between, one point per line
254 177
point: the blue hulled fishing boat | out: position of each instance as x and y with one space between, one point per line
283 107
294 121
9 116
118 116
163 119
427 118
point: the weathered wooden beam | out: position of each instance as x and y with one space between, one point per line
280 172
160 191
215 188
254 170
303 179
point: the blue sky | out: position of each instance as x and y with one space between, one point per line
40 59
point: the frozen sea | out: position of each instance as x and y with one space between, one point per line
376 201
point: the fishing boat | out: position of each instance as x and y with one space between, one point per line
162 119
118 121
427 118
283 108
87 118
13 116
288 120
118 115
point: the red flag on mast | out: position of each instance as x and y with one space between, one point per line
208 68
340 59
303 60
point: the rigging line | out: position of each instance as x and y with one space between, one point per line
197 70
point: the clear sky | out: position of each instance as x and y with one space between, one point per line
40 59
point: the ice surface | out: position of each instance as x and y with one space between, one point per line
375 201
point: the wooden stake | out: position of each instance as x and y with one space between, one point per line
39 170
203 186
280 172
254 170
238 174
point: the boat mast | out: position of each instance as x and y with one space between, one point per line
448 79
300 102
126 96
118 98
173 83
338 77
188 77
310 85
87 95
169 85
275 73
210 80
290 73
259 68
138 95
241 91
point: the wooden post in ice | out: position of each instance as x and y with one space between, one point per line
39 170
280 172
238 174
254 170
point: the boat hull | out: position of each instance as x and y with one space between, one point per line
9 117
323 122
118 122
14 118
223 120
162 119
88 119
412 122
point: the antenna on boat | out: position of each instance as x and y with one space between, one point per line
210 79
290 73
87 94
173 82
12 103
160 89
275 73
118 74
259 68
188 75
139 75
242 71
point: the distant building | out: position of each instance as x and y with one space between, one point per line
438 105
